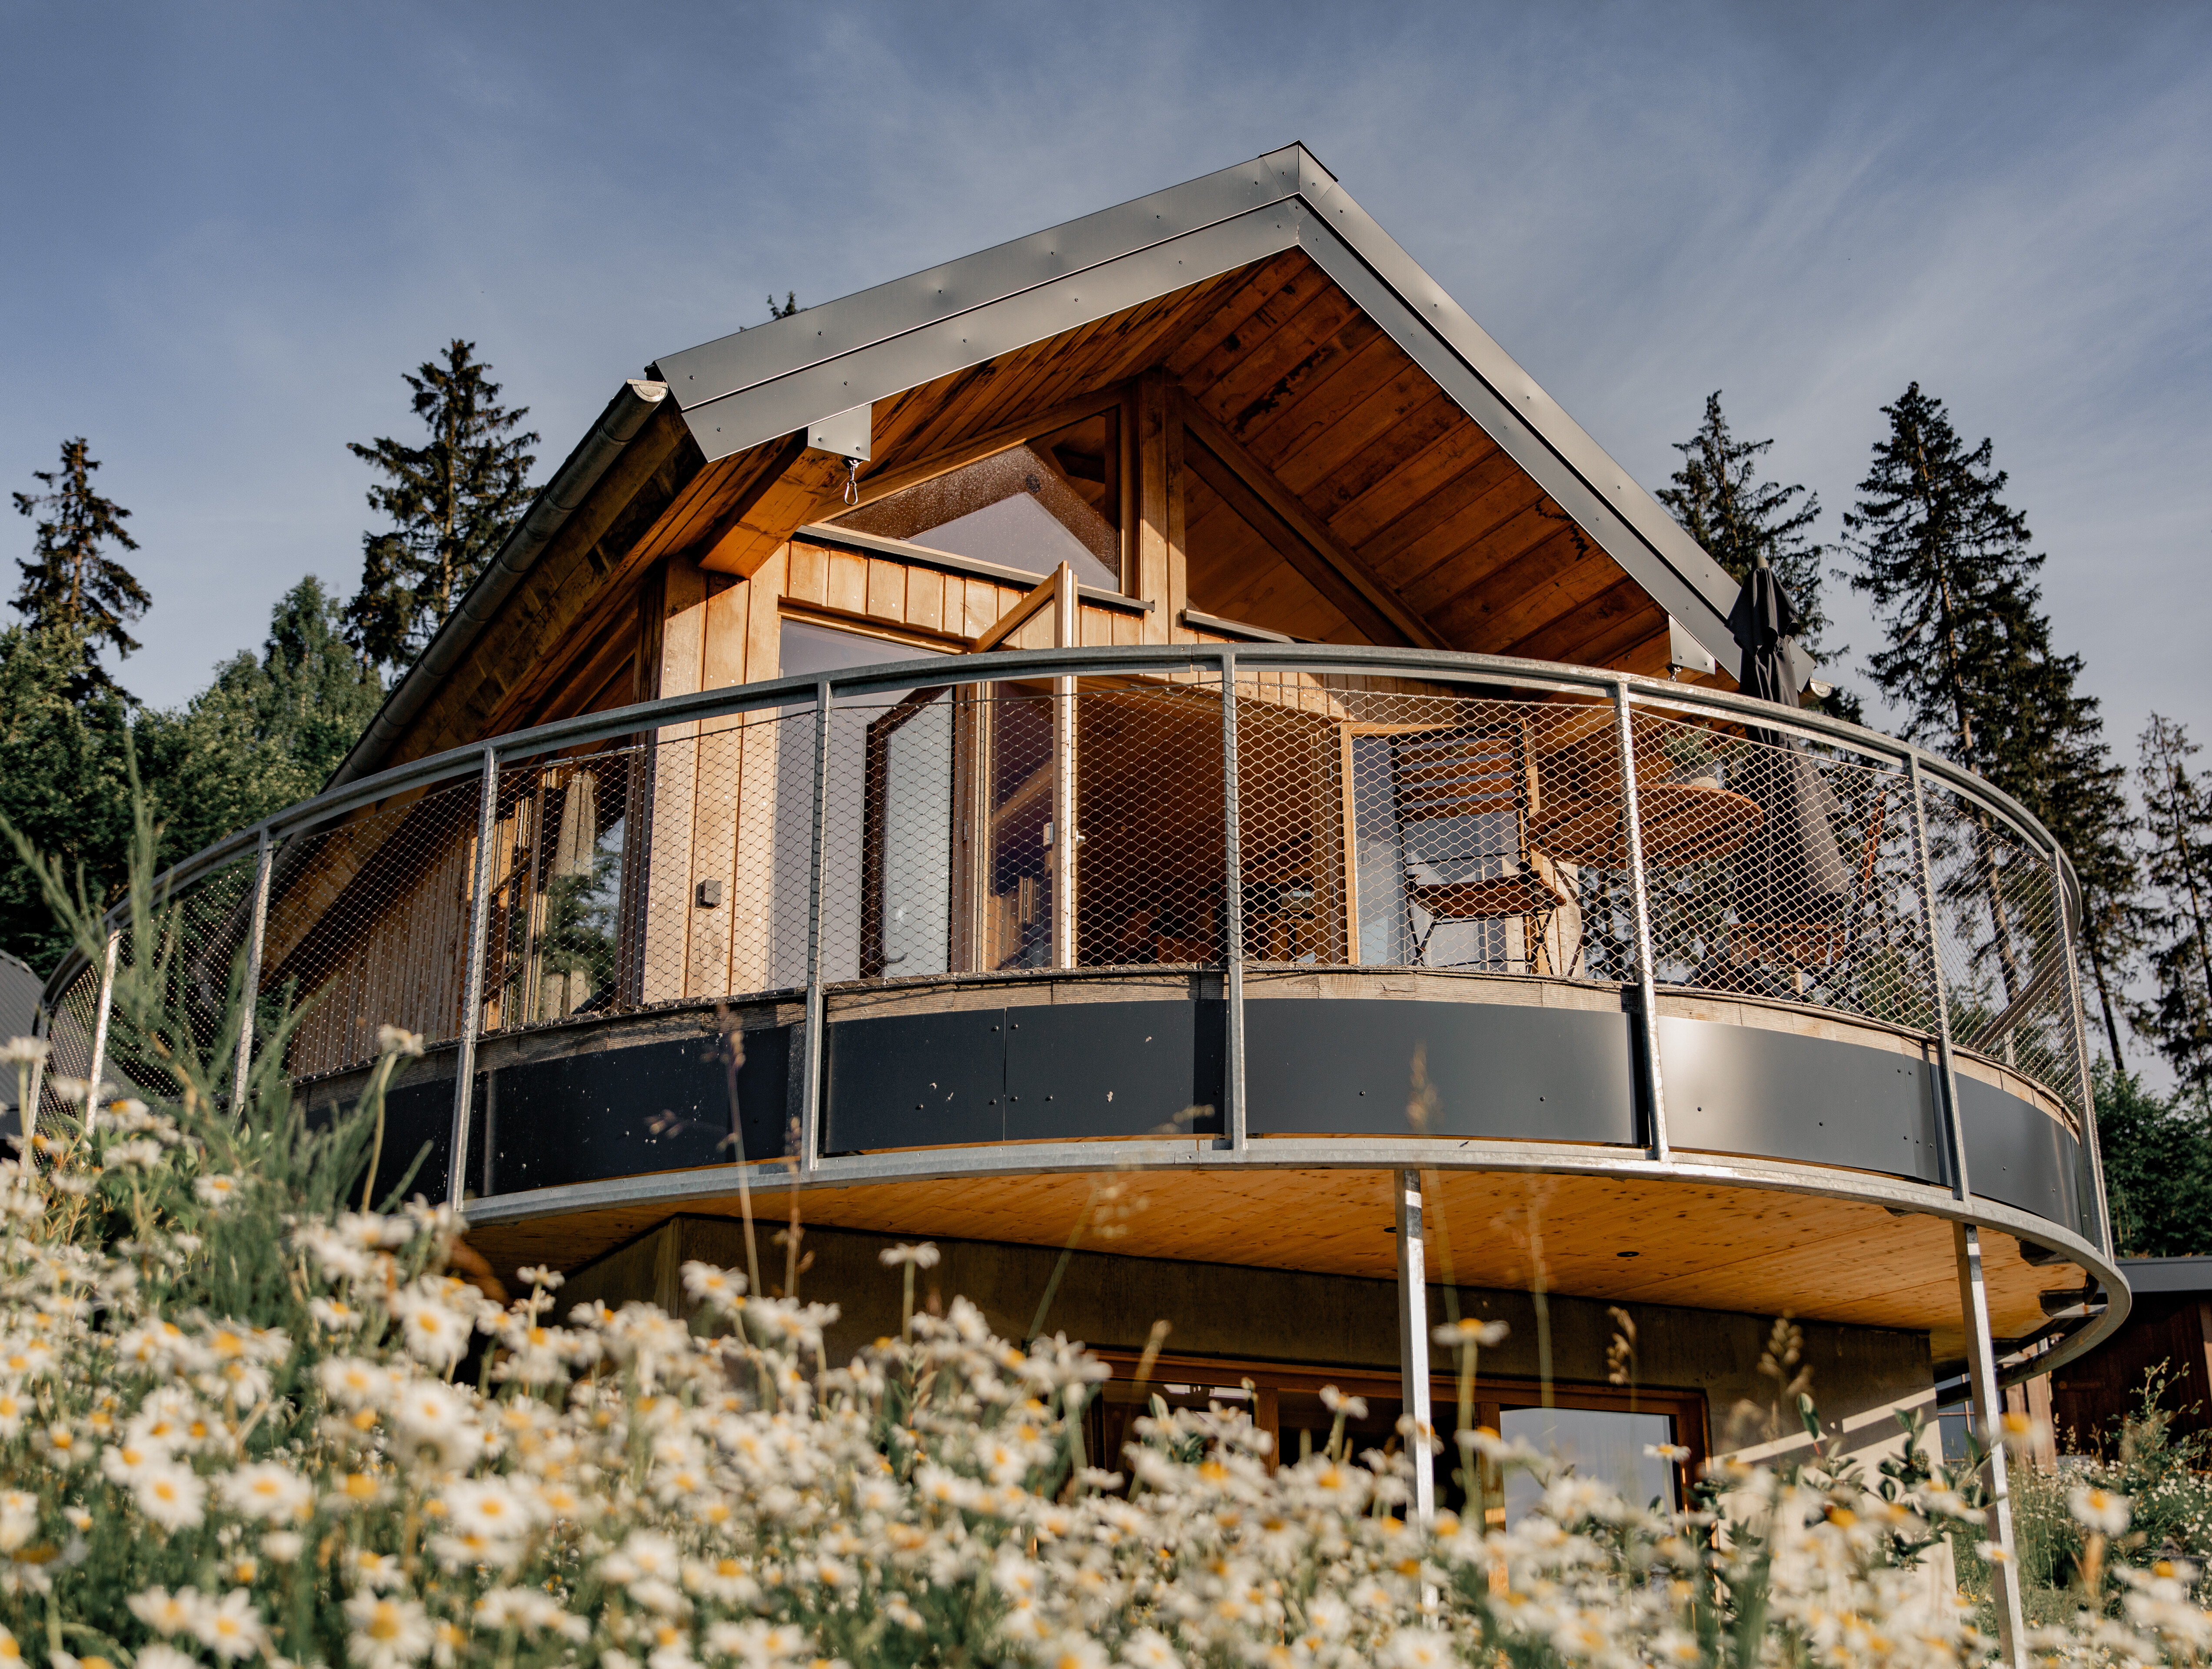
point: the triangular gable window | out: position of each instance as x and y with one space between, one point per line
1051 500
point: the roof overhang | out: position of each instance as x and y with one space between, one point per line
767 382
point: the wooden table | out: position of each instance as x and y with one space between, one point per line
1683 822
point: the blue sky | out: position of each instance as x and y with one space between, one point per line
229 227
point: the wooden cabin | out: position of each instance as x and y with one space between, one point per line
1228 573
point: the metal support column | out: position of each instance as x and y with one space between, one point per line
1414 1341
809 1104
1232 952
1632 828
250 992
1988 1410
1066 837
472 990
2068 928
1954 1130
99 1063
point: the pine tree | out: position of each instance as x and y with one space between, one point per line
70 584
1951 570
452 501
267 733
2178 857
1720 501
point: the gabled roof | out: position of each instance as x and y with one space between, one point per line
760 383
1461 508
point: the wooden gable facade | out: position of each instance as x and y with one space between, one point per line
1254 454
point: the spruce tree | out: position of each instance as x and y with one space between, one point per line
1722 503
2178 857
66 787
71 585
1969 663
452 501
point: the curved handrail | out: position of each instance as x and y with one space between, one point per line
1448 666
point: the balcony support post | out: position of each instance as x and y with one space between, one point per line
1414 1342
1640 895
2077 1024
99 1021
472 994
809 1105
1988 1403
250 994
1947 1077
1233 1125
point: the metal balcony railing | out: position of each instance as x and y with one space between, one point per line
1108 808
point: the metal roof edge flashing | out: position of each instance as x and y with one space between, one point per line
548 513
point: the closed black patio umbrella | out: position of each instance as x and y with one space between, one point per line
1793 890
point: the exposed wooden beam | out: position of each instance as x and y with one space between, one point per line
964 452
1349 571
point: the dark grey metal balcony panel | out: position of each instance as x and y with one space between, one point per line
665 1106
2019 1154
1734 1088
1114 1069
415 1116
916 1080
1347 1066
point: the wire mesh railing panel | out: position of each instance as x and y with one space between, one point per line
1388 827
369 926
1150 824
719 857
2002 943
175 994
71 1024
1781 870
556 943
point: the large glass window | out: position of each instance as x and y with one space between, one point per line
1609 1445
1592 1431
1056 499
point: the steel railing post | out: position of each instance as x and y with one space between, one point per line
1640 895
99 1063
1232 965
1954 1129
1988 1403
472 987
810 1115
1414 1341
2077 1024
250 992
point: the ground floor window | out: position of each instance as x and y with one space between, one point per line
1601 1431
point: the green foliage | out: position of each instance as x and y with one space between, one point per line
2157 1152
2178 854
452 501
2159 1474
70 584
267 733
67 744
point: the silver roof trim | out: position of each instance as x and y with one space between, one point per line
744 389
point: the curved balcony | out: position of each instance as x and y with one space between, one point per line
1763 1001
